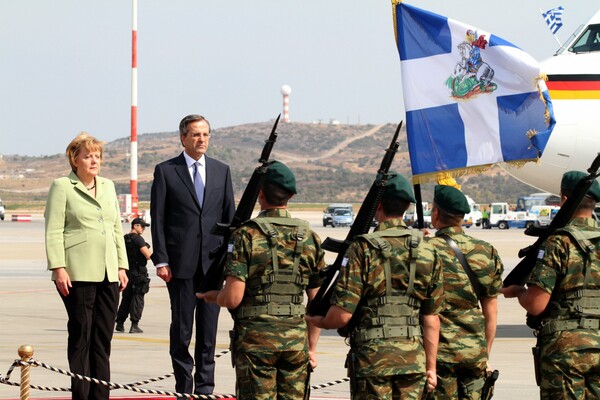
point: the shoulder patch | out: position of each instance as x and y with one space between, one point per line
540 254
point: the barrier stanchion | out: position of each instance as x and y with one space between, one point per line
25 352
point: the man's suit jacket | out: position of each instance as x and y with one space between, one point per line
83 233
180 227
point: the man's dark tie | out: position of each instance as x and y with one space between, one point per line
198 184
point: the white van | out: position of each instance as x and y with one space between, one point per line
544 214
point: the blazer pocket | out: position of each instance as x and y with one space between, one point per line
75 240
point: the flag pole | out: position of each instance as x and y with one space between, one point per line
554 34
419 206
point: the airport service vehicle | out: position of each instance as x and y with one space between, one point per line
503 218
573 81
544 214
410 216
473 217
537 199
329 212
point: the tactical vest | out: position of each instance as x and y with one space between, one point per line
395 315
137 261
578 309
277 292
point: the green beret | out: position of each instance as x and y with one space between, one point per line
279 174
397 186
451 200
570 179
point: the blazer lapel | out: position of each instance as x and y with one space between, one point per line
81 187
100 188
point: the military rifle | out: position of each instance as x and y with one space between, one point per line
361 225
519 275
213 279
488 387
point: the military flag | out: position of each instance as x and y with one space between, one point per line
472 98
553 18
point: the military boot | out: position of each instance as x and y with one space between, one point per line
135 328
119 327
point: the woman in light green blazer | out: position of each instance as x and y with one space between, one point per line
86 254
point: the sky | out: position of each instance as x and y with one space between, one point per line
65 65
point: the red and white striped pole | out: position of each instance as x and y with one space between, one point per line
285 91
133 188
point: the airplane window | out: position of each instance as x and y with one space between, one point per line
588 41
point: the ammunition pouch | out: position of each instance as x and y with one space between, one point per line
140 285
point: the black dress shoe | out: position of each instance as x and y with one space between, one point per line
119 327
135 329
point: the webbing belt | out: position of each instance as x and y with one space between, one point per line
386 332
569 325
279 310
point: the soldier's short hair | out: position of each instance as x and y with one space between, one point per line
275 195
394 206
447 218
588 203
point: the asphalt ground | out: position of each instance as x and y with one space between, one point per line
33 314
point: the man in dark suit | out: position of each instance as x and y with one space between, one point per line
190 194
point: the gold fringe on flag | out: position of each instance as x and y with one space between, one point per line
394 4
454 173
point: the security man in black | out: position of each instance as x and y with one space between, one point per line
138 254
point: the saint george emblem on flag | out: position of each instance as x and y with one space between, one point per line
553 18
472 99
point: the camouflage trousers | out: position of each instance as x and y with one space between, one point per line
273 375
396 387
570 375
459 381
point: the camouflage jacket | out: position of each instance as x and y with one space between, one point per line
559 270
462 325
364 277
249 257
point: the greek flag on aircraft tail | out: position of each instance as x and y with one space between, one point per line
553 18
472 99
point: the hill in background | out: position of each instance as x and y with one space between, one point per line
332 163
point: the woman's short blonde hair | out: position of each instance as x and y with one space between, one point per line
83 141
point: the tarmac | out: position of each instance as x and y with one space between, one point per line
33 314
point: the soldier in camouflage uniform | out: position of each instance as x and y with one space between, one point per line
272 260
466 330
392 281
564 293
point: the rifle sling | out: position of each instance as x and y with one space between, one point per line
463 261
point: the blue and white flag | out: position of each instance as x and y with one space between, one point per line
553 18
472 99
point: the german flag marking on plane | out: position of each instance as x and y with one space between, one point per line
574 87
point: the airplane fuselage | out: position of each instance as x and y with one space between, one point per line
574 86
